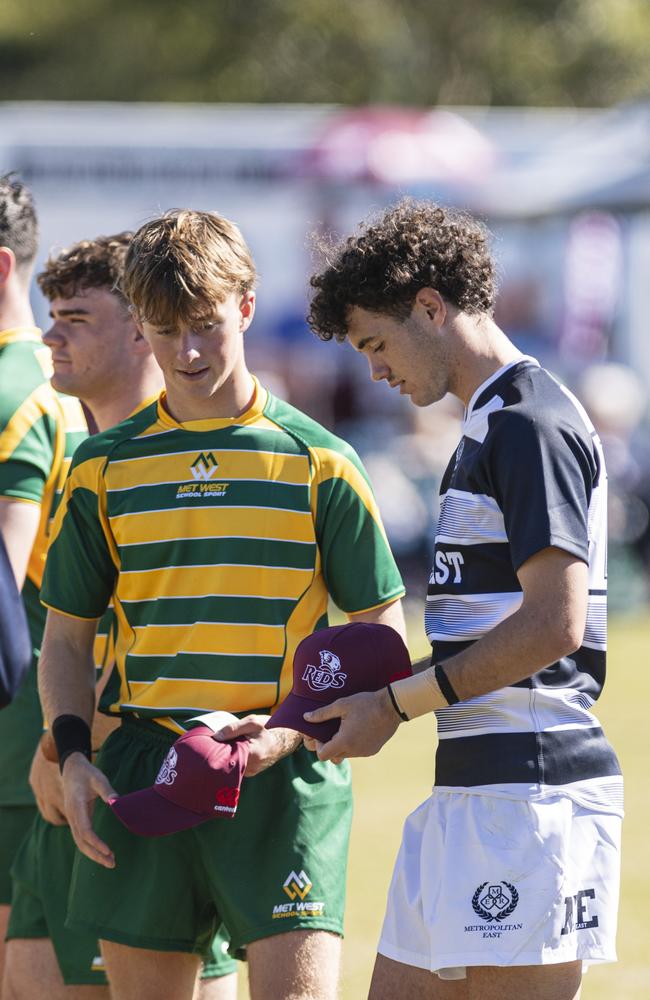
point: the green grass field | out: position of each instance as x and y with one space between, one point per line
388 786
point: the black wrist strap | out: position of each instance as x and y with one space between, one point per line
391 694
71 735
445 685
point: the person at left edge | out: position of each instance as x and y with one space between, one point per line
39 430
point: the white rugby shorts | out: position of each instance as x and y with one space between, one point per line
485 880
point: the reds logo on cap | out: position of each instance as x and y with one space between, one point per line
167 774
197 771
326 676
374 654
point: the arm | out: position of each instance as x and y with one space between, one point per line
67 687
390 614
45 777
19 520
549 624
103 725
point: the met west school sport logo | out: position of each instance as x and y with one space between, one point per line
203 470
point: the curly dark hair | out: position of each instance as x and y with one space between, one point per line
413 245
88 264
18 223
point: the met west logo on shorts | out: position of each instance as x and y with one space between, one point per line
327 675
203 485
297 886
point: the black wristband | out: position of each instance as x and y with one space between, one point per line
391 694
71 735
445 685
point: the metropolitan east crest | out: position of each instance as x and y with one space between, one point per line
495 901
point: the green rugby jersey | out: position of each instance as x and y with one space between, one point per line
39 430
218 542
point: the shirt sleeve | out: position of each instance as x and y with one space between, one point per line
358 566
542 475
27 444
81 567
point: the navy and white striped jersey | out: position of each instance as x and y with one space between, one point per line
528 473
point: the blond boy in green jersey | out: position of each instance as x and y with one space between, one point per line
99 356
219 521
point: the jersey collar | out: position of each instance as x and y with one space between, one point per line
255 410
525 358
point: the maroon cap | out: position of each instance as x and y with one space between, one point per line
334 663
199 779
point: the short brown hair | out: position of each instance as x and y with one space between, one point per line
414 245
88 264
181 263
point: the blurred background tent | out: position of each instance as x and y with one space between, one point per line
566 193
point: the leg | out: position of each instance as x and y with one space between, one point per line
140 974
526 982
15 821
300 965
219 973
393 979
4 920
218 988
32 970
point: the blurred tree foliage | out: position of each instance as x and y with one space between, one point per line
426 52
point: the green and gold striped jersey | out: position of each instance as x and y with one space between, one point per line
219 542
39 430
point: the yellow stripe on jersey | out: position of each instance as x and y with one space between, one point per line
280 582
41 400
200 695
229 522
302 621
209 637
232 465
73 413
86 476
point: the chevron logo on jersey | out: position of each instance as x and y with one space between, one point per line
204 466
297 885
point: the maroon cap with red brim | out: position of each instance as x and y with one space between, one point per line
199 780
334 663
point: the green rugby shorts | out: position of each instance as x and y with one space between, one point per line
15 821
41 876
279 865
